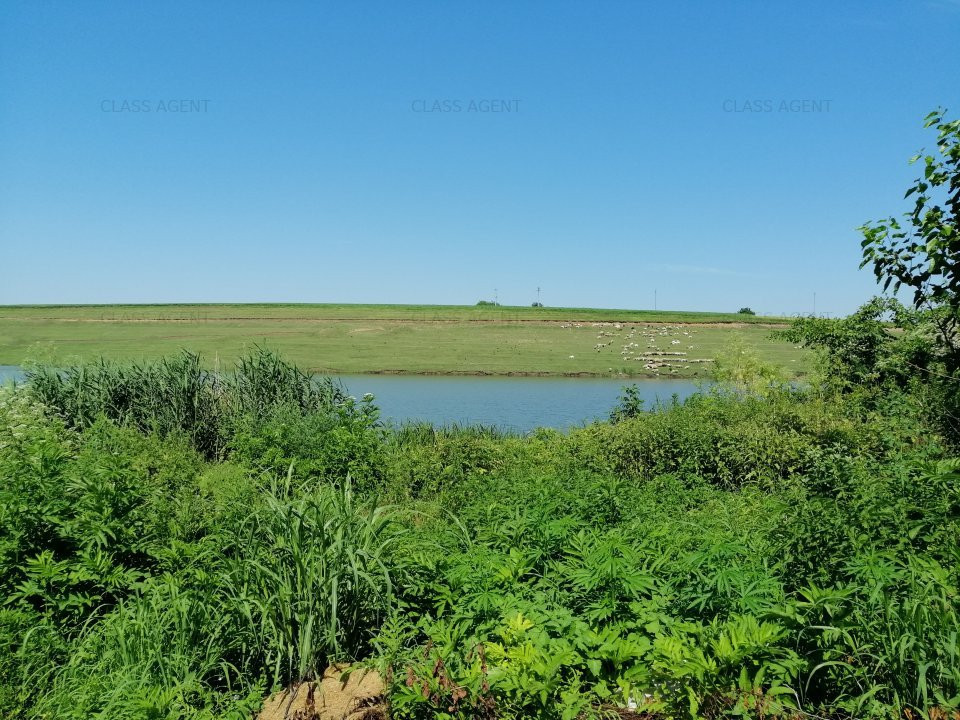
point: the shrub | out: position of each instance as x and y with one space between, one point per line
345 440
424 460
83 524
630 404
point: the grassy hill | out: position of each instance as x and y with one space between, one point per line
354 338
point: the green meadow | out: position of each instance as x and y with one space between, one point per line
401 338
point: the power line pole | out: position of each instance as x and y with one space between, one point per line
654 298
814 304
538 296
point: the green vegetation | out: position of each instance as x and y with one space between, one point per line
391 338
176 395
743 552
180 543
482 312
923 253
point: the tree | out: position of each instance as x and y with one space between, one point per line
745 311
860 350
923 253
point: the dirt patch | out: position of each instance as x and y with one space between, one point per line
358 695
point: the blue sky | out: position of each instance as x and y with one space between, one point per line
722 154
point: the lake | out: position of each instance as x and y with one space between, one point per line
520 404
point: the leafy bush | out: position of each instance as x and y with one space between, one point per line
344 440
422 459
729 439
84 532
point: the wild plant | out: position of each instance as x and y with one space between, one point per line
178 395
312 577
162 654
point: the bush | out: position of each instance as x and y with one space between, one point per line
82 525
730 439
346 440
630 404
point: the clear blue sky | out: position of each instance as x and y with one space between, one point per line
635 146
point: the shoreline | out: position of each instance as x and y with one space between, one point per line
546 374
586 375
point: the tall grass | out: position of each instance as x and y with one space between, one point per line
178 395
165 654
311 579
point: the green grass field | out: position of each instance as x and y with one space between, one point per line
399 338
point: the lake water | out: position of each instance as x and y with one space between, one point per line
10 372
513 403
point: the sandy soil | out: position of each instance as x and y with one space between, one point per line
358 697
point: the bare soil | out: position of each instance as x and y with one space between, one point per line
357 695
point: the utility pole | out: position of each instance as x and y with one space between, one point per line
495 301
814 304
654 298
538 296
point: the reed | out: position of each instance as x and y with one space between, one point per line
177 395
